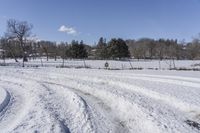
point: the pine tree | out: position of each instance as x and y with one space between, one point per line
118 49
102 52
77 50
82 51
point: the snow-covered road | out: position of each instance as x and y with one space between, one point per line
88 100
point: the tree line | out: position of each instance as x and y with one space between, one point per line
16 43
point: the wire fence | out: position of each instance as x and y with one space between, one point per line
106 64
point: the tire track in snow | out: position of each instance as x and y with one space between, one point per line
16 108
178 120
95 92
30 117
85 126
74 109
177 103
189 109
192 111
153 94
100 111
4 100
129 113
183 106
182 81
80 103
134 123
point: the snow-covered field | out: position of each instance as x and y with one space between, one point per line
96 64
58 100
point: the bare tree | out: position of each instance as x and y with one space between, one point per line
19 30
160 48
9 46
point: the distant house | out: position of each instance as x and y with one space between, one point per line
92 54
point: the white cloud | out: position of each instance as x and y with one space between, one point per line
68 30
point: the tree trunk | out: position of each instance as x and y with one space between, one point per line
55 56
63 63
47 56
130 64
41 61
84 63
23 60
174 63
23 50
159 64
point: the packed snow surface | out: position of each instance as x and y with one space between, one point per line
98 101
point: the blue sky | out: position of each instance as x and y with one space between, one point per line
64 20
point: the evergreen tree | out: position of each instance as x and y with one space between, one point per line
77 50
118 49
82 51
102 52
